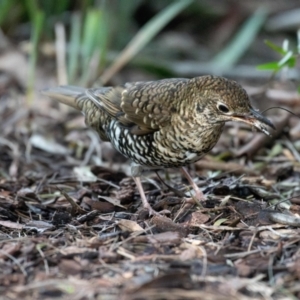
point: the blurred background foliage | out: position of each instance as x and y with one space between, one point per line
93 40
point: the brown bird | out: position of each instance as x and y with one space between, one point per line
164 123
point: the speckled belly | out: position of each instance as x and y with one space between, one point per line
147 150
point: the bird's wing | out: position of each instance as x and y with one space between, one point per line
149 105
143 107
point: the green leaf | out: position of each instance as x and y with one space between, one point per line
292 62
271 66
289 58
275 47
285 59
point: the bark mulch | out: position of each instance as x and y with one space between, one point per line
72 226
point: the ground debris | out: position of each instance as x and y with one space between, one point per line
71 224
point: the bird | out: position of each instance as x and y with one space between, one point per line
167 123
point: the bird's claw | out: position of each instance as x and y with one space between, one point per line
198 198
153 212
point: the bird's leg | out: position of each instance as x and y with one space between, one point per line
198 193
136 171
145 202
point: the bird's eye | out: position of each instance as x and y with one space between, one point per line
223 108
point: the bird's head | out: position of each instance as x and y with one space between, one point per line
220 100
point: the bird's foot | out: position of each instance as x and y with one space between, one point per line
153 212
198 198
145 202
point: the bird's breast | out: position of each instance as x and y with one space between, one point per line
163 148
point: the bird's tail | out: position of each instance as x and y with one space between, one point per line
66 94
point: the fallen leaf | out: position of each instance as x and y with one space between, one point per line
128 225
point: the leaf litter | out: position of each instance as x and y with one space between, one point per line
83 223
71 223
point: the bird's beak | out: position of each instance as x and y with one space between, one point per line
257 120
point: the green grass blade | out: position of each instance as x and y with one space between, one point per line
74 47
275 47
144 36
5 7
298 41
90 32
32 8
125 11
241 42
93 41
271 66
37 27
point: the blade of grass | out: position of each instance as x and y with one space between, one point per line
89 35
271 66
144 36
298 41
103 36
32 8
240 43
5 7
275 47
55 7
125 11
36 30
74 47
93 37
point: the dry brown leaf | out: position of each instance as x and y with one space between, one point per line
128 225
